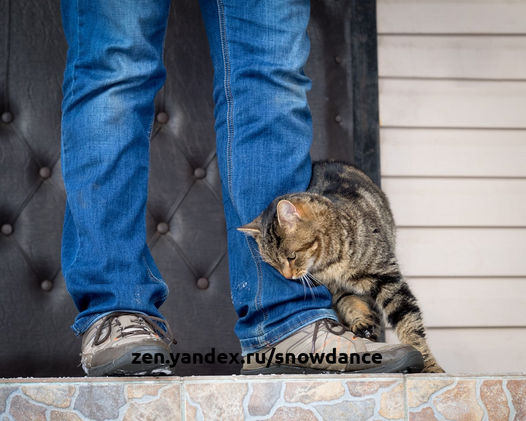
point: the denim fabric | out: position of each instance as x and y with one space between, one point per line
264 131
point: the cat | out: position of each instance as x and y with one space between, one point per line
341 233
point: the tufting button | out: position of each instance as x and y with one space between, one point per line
338 59
162 117
203 283
46 285
45 172
7 117
7 229
338 119
200 173
162 227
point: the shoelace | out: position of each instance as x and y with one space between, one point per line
132 329
329 325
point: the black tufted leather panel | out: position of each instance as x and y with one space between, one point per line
185 222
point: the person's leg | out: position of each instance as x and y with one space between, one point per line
114 69
264 133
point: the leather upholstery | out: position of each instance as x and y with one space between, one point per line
185 222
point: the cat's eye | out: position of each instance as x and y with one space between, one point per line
291 257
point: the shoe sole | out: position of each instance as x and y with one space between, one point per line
411 363
124 365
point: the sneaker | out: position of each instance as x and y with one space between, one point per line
117 344
326 346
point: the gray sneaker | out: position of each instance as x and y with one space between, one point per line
326 346
126 344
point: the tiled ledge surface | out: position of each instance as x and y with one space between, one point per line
416 397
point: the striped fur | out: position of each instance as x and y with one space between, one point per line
341 233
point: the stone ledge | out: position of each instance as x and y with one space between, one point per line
415 397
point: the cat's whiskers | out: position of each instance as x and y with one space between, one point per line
302 279
307 283
313 279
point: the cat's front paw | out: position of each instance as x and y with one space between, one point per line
365 329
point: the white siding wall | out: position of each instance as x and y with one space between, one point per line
453 154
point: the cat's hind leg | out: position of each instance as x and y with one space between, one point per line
358 313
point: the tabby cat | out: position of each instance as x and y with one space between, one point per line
341 233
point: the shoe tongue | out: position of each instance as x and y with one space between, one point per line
135 325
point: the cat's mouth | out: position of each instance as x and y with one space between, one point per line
290 275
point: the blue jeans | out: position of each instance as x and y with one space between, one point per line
264 131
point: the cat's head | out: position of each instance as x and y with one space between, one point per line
287 234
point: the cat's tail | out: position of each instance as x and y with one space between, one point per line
403 313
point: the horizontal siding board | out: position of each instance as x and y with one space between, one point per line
462 252
457 202
471 302
452 103
492 350
471 57
470 282
453 152
453 16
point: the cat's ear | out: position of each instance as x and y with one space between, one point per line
288 215
252 228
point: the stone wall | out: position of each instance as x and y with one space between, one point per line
417 397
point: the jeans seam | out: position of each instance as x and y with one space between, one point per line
150 274
150 130
154 278
258 298
229 99
63 158
165 32
78 49
230 135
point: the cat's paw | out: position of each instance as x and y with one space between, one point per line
365 329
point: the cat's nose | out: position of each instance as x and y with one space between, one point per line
287 273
